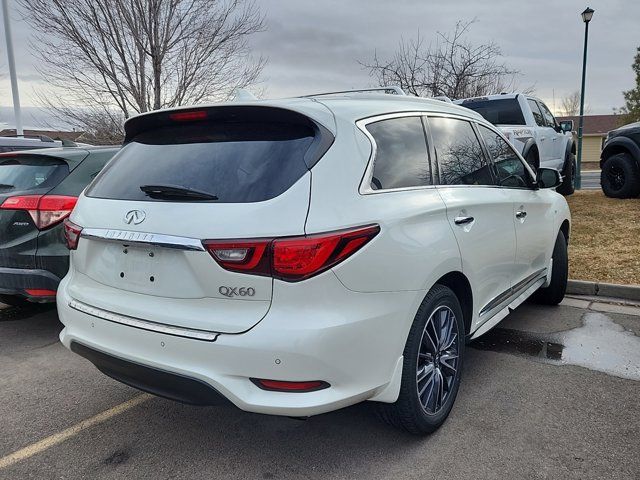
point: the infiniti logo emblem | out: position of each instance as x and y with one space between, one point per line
134 216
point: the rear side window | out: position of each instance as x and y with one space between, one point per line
237 162
402 158
83 174
24 173
537 115
459 153
504 111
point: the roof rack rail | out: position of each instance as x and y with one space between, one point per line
390 90
42 138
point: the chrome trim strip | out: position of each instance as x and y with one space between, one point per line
143 324
155 239
513 292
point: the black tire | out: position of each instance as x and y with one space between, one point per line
408 413
554 293
620 176
569 173
13 300
532 160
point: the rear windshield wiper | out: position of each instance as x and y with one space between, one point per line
176 191
6 185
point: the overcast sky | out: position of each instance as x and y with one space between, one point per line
315 46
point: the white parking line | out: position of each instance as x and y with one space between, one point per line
60 437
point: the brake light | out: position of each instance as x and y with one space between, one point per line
38 292
45 210
71 233
190 116
298 387
293 258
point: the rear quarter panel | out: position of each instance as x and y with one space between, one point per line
415 246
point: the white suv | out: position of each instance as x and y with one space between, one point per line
297 256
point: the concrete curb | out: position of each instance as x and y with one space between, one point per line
598 289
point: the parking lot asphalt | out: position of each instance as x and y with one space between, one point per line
591 180
553 392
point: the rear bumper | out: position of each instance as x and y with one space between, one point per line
17 281
353 341
164 384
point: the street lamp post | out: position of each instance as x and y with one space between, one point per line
587 15
12 67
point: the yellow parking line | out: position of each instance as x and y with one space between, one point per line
60 437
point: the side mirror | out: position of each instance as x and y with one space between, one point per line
548 178
566 126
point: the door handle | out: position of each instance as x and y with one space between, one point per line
463 220
521 214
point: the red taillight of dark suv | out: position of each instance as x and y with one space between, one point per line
45 210
290 258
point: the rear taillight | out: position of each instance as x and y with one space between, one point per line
293 258
71 234
45 210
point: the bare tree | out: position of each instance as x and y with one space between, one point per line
110 59
571 105
452 66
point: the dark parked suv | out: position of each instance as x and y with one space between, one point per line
620 162
38 189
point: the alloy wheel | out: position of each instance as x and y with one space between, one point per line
437 363
616 177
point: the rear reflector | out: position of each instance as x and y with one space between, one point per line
293 258
45 210
71 233
35 292
191 116
294 387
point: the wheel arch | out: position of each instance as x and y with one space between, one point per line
531 147
565 228
620 145
460 285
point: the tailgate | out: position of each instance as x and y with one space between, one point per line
181 179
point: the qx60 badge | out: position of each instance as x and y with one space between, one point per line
236 291
134 217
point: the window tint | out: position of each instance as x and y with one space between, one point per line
548 116
25 173
537 115
402 158
510 170
237 162
459 153
504 111
83 174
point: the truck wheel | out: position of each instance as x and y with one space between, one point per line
554 293
620 177
569 173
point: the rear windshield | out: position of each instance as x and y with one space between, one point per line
505 111
26 173
236 162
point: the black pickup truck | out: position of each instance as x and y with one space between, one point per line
620 162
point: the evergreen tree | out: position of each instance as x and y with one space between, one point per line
631 109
